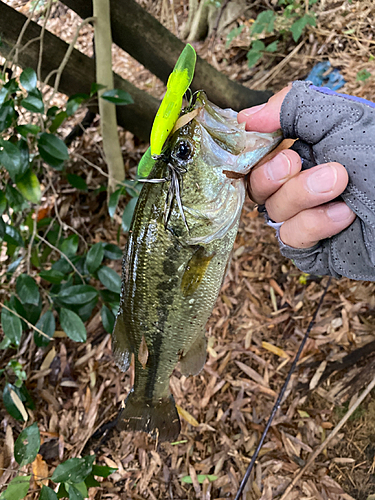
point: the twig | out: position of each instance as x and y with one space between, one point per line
280 396
104 76
63 63
41 43
15 49
101 171
338 427
267 78
217 22
62 255
61 222
30 325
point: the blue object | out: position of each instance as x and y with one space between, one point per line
334 80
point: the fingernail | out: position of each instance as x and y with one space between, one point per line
339 212
251 111
278 168
322 180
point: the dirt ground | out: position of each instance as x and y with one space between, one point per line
262 313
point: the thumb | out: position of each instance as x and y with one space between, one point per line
266 117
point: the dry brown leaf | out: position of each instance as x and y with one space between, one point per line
186 416
40 471
143 353
275 350
20 407
185 119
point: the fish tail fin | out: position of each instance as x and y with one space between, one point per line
158 418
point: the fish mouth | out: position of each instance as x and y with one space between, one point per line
231 136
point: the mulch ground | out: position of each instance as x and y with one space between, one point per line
262 312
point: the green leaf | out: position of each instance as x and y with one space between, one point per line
117 96
299 25
272 47
112 251
28 79
17 488
95 87
52 276
81 488
94 257
11 235
146 164
3 202
110 279
33 102
77 182
47 325
127 214
74 470
74 494
9 404
57 121
69 246
253 57
62 491
103 470
27 445
28 128
233 33
12 159
363 75
108 321
27 290
52 149
200 478
77 294
47 494
29 187
113 201
7 115
91 482
12 326
73 326
74 103
15 199
264 22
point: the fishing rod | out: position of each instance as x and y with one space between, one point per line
281 395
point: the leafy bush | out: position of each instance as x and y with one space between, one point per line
53 277
289 19
74 476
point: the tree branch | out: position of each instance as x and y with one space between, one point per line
107 110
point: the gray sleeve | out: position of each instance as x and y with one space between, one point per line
336 127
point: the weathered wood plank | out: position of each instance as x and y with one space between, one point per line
145 39
79 72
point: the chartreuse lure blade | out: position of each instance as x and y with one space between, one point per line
170 107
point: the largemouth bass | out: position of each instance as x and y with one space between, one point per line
180 240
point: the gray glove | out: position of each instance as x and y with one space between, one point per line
341 128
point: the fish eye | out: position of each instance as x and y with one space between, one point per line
183 150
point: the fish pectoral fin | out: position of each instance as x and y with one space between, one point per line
193 361
121 346
195 270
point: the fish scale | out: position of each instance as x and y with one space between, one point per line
172 272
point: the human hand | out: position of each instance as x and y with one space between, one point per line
302 200
334 131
